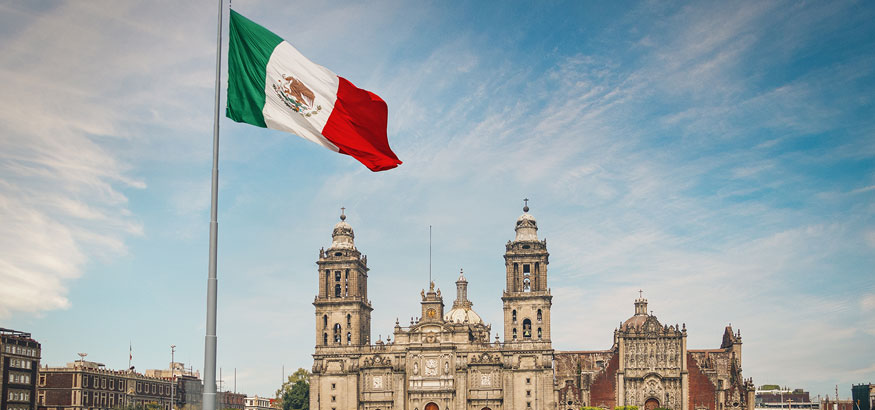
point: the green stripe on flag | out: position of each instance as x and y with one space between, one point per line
249 50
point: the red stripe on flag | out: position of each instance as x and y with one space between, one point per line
357 126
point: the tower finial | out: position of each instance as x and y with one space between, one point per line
342 214
526 206
640 294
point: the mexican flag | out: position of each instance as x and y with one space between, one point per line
272 85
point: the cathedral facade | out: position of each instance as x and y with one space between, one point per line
445 359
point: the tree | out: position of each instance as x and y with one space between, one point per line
294 394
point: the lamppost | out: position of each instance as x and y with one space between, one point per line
172 376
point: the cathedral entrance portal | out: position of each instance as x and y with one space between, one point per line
651 404
431 406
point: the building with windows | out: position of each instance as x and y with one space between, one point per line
768 397
86 385
187 384
863 396
257 403
444 359
19 362
230 400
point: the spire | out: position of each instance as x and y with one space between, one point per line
462 292
342 237
526 225
640 304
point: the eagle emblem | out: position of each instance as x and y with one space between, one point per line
295 95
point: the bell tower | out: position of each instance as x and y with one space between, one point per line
343 311
526 298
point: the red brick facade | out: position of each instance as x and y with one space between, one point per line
604 385
702 392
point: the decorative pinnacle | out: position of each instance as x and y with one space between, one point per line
342 215
526 206
640 294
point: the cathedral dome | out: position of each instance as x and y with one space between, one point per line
526 226
462 315
640 318
461 311
342 237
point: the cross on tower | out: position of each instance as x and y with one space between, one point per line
526 206
640 294
342 215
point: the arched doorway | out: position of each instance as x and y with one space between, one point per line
431 406
651 404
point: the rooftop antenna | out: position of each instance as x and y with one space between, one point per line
429 254
82 359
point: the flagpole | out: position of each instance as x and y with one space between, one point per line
209 396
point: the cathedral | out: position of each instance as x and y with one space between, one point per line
445 359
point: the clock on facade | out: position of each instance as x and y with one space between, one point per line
378 382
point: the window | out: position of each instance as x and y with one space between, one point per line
527 268
527 329
528 380
348 320
333 398
337 333
514 333
337 275
337 290
528 393
348 338
333 386
513 316
325 339
539 315
539 333
324 320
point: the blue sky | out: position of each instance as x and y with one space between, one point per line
719 156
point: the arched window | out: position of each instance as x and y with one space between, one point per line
348 338
337 290
337 333
539 315
325 339
337 275
539 333
514 333
348 320
324 320
527 329
513 314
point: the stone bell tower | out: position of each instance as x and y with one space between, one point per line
526 298
343 311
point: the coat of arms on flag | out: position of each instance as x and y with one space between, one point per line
295 95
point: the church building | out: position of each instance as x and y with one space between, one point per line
445 359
